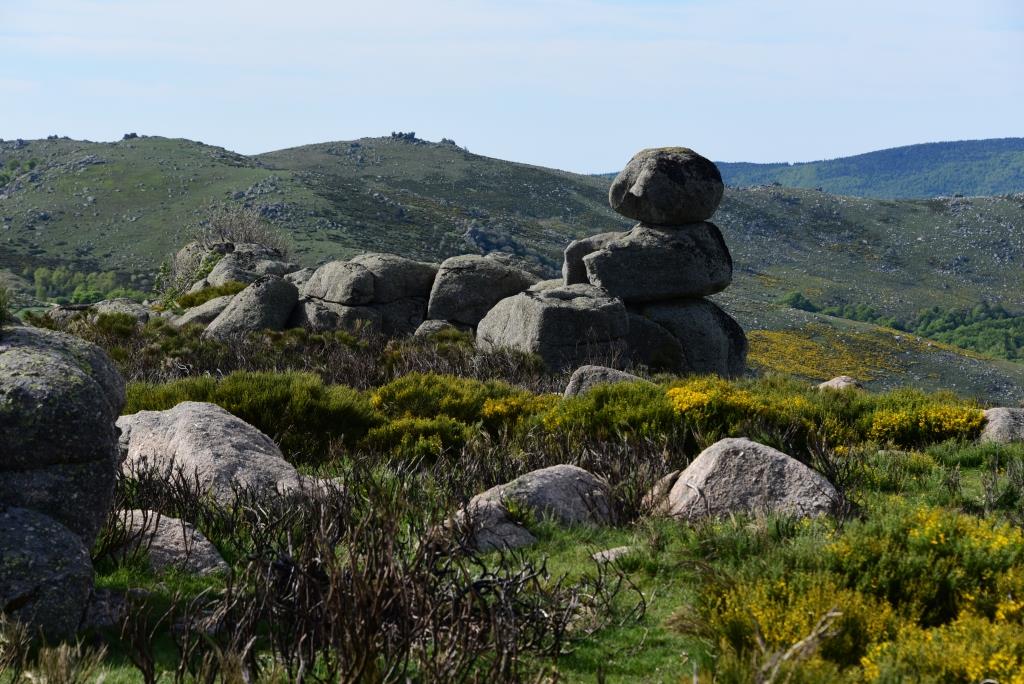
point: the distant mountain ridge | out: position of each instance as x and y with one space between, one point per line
968 167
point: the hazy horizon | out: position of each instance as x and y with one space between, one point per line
572 84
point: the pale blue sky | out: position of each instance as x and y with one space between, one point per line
575 84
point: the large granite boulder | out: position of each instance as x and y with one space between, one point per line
652 346
586 378
218 451
573 270
46 574
566 494
317 315
247 262
266 304
468 286
667 186
712 342
340 282
566 326
650 264
737 475
168 543
204 313
396 277
59 398
1003 425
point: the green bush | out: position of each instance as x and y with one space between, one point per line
607 411
187 301
297 409
417 438
5 306
427 395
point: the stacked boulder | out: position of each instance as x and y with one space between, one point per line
639 294
59 399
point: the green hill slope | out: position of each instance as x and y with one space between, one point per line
970 167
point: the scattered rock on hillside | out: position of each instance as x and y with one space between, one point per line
573 270
265 304
712 342
612 555
209 446
169 543
586 378
566 326
737 475
468 286
45 573
650 264
1003 425
841 382
667 186
564 493
59 398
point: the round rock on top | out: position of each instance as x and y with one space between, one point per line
667 186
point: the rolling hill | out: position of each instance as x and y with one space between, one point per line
969 167
126 206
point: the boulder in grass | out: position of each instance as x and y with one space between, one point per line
739 476
566 494
266 304
203 313
573 270
650 263
566 326
122 305
432 327
667 186
586 378
1003 425
219 452
468 286
841 382
46 574
712 342
169 543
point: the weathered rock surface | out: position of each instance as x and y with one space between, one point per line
266 304
542 285
667 186
564 493
652 346
203 313
841 382
122 305
468 286
586 378
650 264
566 326
431 327
170 543
573 270
712 342
59 398
1003 425
45 572
341 282
246 262
396 277
209 446
320 316
300 277
737 475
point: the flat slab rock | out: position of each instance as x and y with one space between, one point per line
205 443
739 476
1003 425
567 494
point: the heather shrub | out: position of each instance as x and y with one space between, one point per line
417 438
607 411
426 395
187 301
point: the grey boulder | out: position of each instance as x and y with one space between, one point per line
468 286
45 573
207 445
246 262
203 313
586 378
59 398
650 264
653 346
122 305
667 186
169 543
319 316
739 476
712 342
841 382
341 282
566 326
432 327
266 304
566 494
573 270
1003 425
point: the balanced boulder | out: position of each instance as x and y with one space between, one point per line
737 475
711 341
653 346
566 326
667 186
468 286
650 264
573 270
340 282
265 304
208 446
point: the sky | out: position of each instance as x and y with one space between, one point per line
573 84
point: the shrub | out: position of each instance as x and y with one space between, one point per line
607 411
426 395
412 438
297 409
911 418
233 223
187 301
5 306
